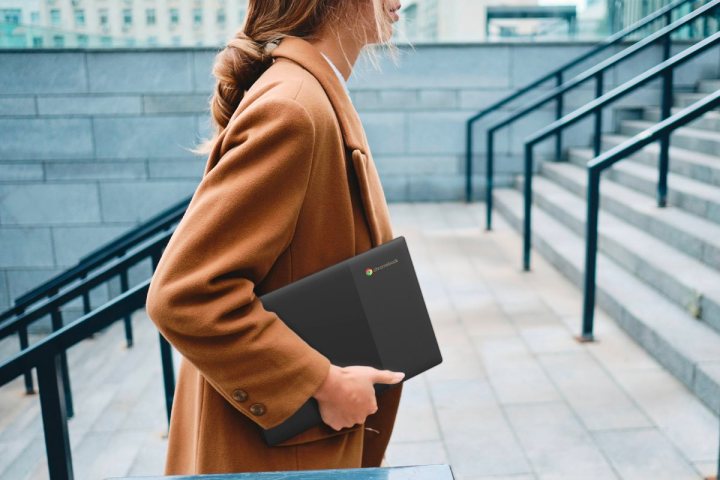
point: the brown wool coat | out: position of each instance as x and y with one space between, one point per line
290 188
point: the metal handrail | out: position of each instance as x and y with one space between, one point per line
115 249
151 248
45 356
665 69
596 72
659 131
108 271
557 74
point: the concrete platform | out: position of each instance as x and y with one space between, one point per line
516 398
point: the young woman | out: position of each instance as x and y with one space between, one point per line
289 188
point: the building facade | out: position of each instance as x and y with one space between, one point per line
61 23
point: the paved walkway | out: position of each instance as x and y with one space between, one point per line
516 397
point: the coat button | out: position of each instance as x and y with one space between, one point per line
239 395
257 409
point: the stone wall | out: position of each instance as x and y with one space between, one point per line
94 141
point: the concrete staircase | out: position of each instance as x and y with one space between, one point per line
658 269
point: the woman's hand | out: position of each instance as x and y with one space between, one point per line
347 395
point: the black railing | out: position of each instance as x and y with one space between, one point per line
557 74
597 73
664 69
46 355
660 131
16 315
150 248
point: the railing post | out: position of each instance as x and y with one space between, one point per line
667 40
527 190
25 343
591 234
468 162
489 173
558 116
168 374
124 285
597 138
57 324
664 160
53 408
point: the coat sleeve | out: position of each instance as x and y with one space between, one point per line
241 218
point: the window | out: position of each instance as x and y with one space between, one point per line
174 16
197 16
55 16
176 40
37 42
79 18
152 40
35 17
150 18
103 16
12 16
58 41
82 40
221 16
127 17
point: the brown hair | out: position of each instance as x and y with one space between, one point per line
246 55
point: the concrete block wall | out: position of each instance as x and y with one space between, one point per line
92 142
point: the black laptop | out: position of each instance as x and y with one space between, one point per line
366 310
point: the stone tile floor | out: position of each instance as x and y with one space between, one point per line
515 398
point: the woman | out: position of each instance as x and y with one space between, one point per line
289 188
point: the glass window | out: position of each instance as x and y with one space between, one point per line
82 40
34 17
174 16
12 16
221 16
37 41
176 40
197 16
55 16
58 41
103 16
127 16
79 18
150 18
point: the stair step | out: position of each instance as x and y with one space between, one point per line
708 86
682 278
690 195
683 99
696 139
689 349
694 235
708 121
698 166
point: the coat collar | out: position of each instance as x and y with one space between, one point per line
309 57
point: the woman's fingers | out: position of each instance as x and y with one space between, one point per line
387 377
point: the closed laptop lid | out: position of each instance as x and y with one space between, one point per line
366 310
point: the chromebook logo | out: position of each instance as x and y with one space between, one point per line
370 271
